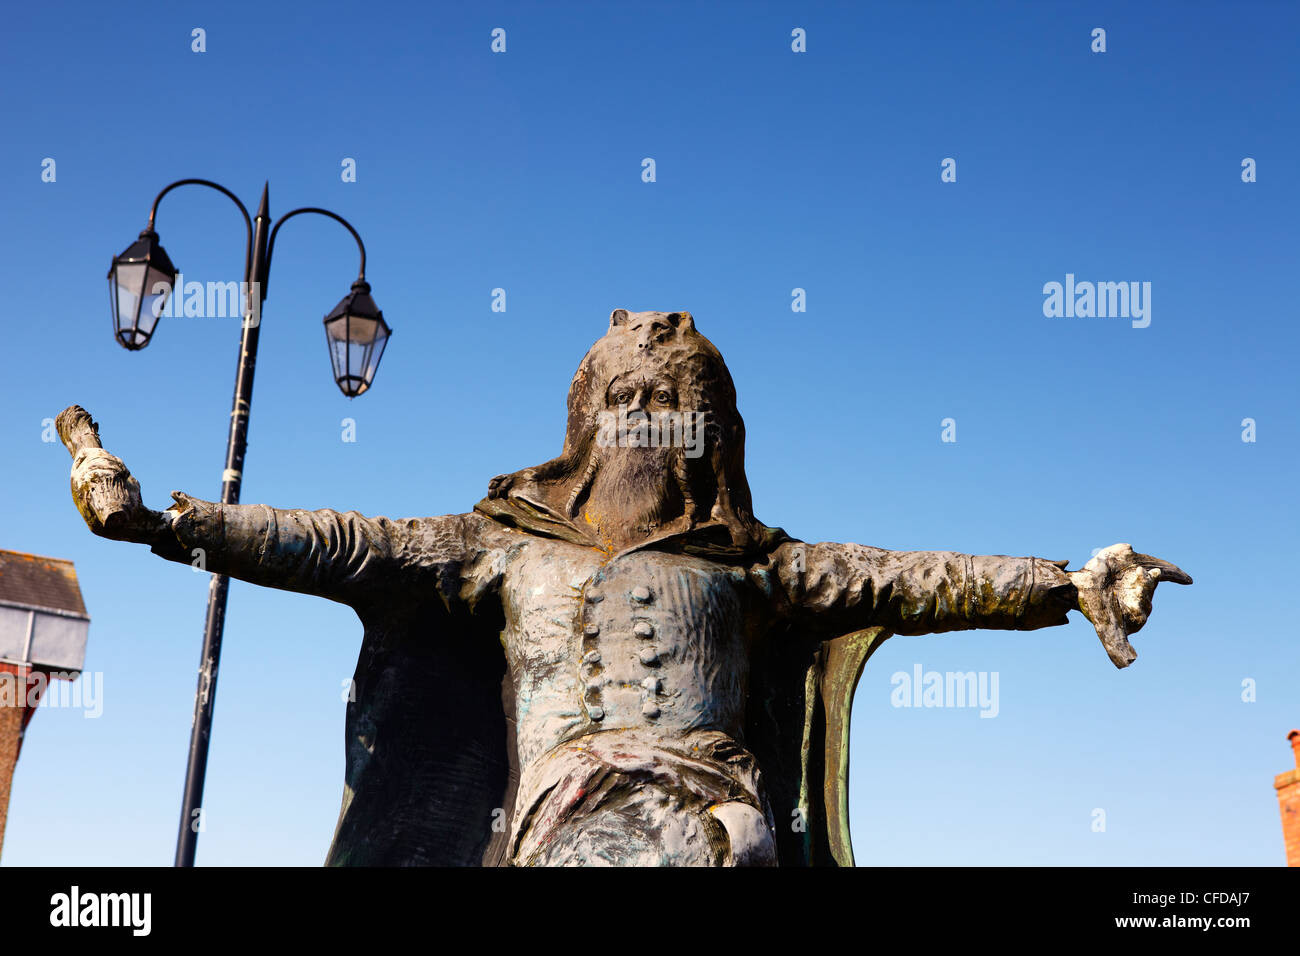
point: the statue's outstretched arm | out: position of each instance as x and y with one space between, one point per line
849 587
346 557
342 556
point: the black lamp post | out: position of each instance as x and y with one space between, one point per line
140 280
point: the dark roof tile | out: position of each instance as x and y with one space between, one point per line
39 582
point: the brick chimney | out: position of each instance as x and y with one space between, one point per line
1288 798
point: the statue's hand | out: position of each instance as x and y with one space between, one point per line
1115 590
108 498
501 485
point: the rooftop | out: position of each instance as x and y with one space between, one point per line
36 581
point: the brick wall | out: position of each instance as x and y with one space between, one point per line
13 710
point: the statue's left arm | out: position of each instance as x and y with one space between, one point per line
847 587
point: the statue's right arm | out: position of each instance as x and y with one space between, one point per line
345 557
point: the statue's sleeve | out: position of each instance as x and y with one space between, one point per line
848 587
345 557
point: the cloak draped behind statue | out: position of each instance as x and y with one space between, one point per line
432 774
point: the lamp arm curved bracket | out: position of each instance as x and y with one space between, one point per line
270 247
248 222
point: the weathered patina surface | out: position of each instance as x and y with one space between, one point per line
611 661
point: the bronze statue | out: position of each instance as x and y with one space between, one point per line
610 660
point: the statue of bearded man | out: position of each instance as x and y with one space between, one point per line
610 660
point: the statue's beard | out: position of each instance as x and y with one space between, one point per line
632 496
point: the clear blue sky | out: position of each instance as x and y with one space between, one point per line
775 170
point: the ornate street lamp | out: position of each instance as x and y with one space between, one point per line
356 333
140 281
355 330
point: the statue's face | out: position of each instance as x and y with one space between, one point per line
640 391
633 491
643 410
